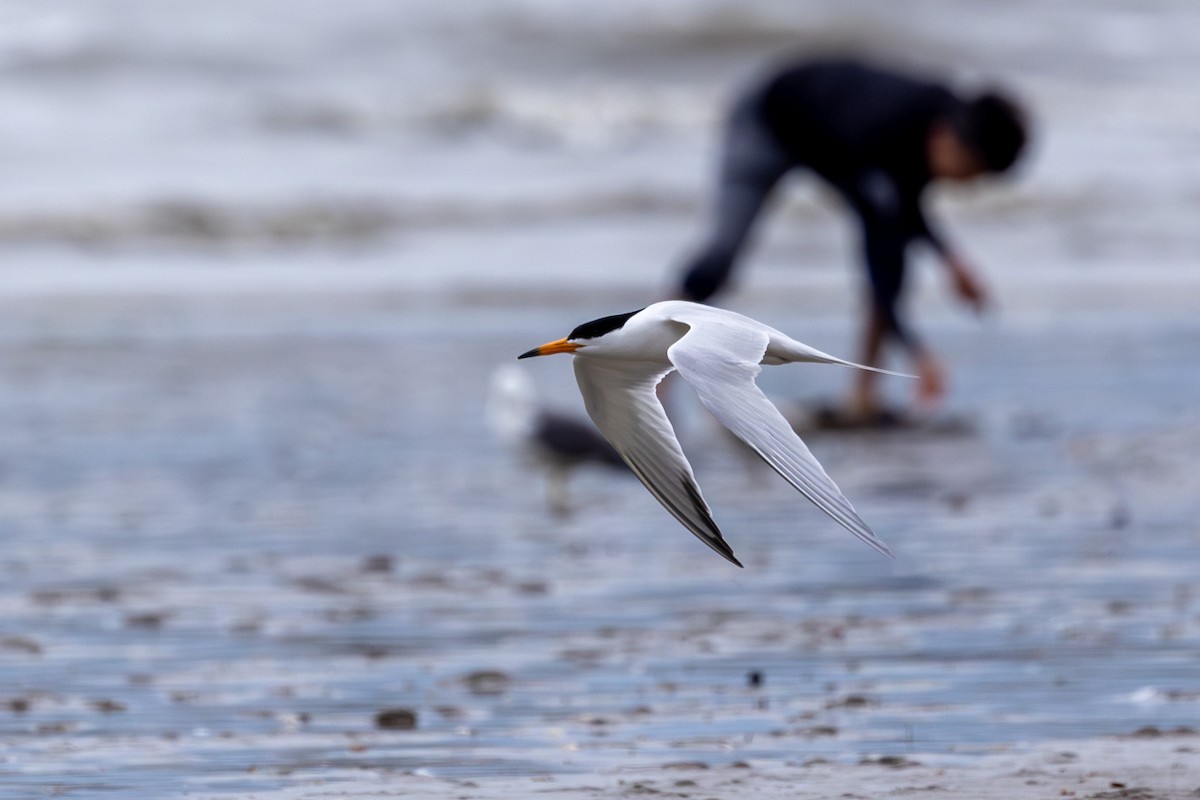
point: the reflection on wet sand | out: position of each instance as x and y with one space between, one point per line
282 551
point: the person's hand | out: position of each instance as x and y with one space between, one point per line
931 382
966 285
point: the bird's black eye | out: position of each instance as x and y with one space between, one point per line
598 327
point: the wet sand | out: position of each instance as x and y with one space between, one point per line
1148 767
257 541
237 529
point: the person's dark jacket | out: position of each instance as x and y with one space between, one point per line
865 131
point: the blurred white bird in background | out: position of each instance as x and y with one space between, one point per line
555 441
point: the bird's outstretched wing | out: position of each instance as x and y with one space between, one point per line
721 361
620 398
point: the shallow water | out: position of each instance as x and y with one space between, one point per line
228 546
257 276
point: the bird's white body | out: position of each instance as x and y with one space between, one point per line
649 334
620 360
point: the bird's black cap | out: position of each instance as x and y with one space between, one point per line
598 327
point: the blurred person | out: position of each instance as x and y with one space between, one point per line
878 137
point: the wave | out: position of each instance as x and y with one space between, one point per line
595 115
90 46
200 223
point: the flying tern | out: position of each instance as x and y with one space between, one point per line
620 359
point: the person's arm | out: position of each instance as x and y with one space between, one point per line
966 283
931 379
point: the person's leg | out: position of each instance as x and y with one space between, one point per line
864 389
884 243
752 162
886 267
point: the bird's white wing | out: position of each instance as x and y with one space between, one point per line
620 398
721 361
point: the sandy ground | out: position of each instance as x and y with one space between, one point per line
257 540
1146 767
238 528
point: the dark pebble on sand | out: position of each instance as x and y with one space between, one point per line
818 730
895 762
852 701
1154 732
377 563
487 682
21 644
396 719
105 706
1123 792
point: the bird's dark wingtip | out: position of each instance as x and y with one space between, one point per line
881 548
726 552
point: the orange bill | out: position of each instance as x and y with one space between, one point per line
549 349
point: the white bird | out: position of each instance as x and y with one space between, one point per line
555 441
619 360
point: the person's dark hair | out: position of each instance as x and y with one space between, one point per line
994 128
